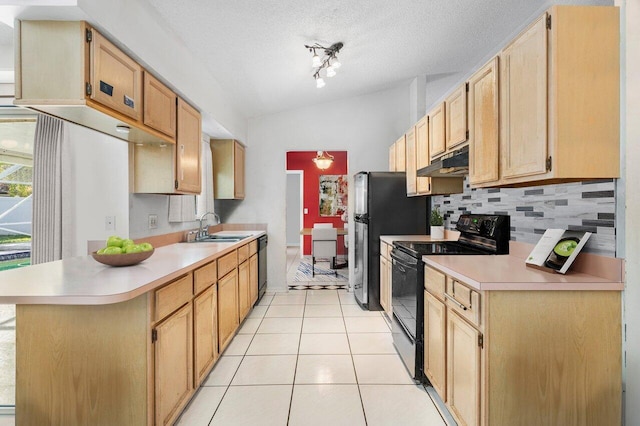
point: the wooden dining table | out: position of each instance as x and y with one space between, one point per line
307 231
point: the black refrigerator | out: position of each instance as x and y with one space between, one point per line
381 208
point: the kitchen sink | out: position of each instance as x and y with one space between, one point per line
227 238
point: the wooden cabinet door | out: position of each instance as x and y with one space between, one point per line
523 103
205 332
227 308
484 130
392 158
116 79
463 370
173 365
384 284
159 106
410 146
238 167
435 330
243 291
189 130
423 184
401 154
456 117
437 134
253 280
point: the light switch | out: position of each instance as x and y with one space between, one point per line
153 221
306 210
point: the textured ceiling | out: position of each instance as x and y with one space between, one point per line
255 48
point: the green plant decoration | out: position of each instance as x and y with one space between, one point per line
436 218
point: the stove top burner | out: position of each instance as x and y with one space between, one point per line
419 249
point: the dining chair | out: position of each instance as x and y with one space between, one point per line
324 244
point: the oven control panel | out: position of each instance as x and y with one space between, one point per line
492 229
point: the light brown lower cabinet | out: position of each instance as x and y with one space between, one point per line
205 329
244 298
253 279
173 360
228 320
523 357
384 284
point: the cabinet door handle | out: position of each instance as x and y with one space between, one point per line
460 305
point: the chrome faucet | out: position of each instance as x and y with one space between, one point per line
201 231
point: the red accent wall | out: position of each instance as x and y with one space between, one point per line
302 160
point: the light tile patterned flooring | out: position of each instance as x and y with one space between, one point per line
311 358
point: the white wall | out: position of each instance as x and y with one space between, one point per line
293 202
142 205
99 187
364 126
630 109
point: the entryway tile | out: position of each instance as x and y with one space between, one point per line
318 311
407 405
201 408
285 311
266 370
315 344
258 312
239 344
366 325
347 298
381 369
254 405
323 325
250 326
274 344
329 298
223 371
321 405
280 325
316 369
371 343
357 311
266 300
289 299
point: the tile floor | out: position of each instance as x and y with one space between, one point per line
311 358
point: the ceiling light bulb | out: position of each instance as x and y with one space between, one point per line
320 82
336 63
316 60
330 71
121 128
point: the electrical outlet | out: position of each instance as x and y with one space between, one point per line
153 221
109 223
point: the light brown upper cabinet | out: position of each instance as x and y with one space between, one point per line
410 146
392 158
423 184
169 168
401 154
159 106
484 130
559 98
188 176
456 118
69 70
228 169
437 133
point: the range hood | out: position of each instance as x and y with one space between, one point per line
455 164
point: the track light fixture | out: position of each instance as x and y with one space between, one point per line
327 58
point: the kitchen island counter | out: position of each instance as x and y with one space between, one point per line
83 281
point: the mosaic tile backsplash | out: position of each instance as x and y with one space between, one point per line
582 206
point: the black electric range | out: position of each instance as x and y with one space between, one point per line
479 235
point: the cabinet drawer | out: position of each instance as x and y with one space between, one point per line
227 263
172 296
434 282
243 253
463 300
253 247
205 276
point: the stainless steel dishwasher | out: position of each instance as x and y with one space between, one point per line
262 266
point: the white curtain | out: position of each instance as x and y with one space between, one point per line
47 222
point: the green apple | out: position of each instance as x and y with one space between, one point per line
127 242
114 241
132 248
112 250
101 251
145 246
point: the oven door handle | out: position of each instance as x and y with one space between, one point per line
460 305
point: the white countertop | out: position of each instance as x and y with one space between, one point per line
83 281
509 272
